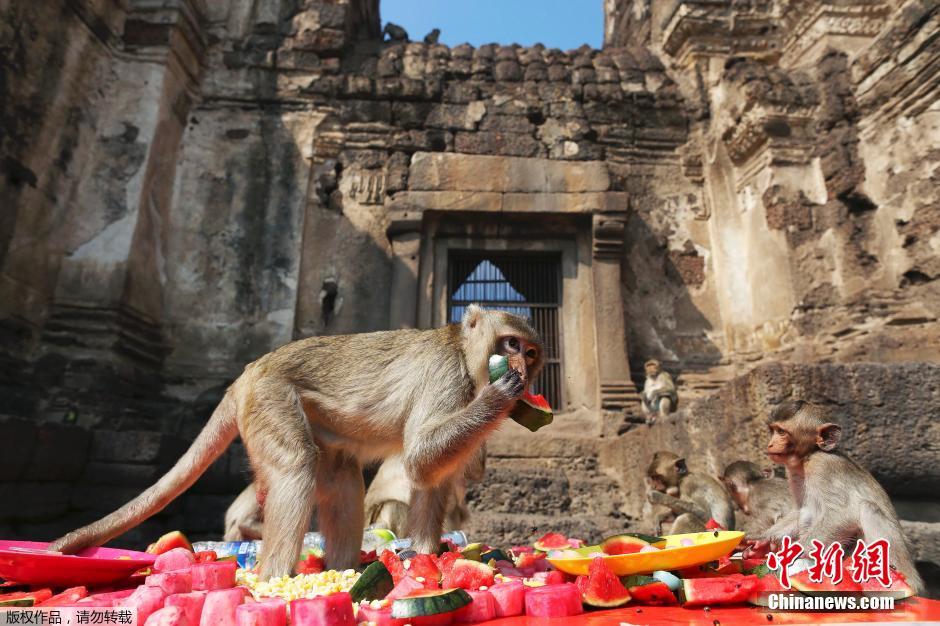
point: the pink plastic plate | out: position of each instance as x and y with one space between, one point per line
28 562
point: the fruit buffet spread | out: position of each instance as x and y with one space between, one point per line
629 578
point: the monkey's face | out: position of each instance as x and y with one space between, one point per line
665 472
780 446
739 492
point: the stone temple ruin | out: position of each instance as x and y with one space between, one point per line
746 191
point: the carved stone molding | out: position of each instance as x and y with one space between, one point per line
809 22
368 186
702 28
769 136
608 233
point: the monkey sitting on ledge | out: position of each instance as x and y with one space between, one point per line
313 411
836 499
694 498
757 492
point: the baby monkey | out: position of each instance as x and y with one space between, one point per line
758 492
694 498
836 499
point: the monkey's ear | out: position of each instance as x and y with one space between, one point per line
472 317
828 436
681 467
767 472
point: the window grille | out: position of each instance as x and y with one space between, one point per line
528 285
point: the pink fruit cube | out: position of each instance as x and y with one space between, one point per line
481 609
508 598
179 581
333 610
145 599
216 575
177 558
553 601
380 617
267 613
219 607
191 603
406 586
167 616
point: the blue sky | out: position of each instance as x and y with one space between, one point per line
561 24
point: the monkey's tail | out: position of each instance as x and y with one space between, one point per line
219 432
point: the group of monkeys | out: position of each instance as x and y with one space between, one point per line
313 412
826 496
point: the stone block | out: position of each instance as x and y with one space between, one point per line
113 446
33 502
487 202
60 452
462 172
15 459
456 116
507 123
509 71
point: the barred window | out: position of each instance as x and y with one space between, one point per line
528 285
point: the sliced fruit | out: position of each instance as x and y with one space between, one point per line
601 587
898 589
335 609
561 600
405 587
145 599
445 561
531 410
190 603
179 581
468 575
424 566
767 583
374 583
734 589
669 579
508 598
69 597
628 543
311 564
209 576
482 608
174 559
167 542
801 582
168 616
648 590
25 598
430 602
473 551
493 555
267 613
551 541
378 615
393 564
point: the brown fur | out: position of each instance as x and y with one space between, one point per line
694 498
837 500
757 492
313 411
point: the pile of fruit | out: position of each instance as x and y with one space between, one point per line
465 585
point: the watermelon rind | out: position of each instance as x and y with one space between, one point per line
374 583
24 601
734 589
637 540
430 602
551 541
494 555
601 588
527 413
648 590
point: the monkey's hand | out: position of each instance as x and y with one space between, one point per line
756 548
510 385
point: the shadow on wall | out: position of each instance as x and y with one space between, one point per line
663 320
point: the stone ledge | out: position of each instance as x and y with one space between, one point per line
494 202
470 172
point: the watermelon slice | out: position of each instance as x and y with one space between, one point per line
167 542
379 615
734 589
393 564
374 583
25 598
601 587
405 587
801 582
423 567
430 602
335 609
767 583
648 590
551 541
69 597
531 410
267 613
629 543
445 562
467 574
898 589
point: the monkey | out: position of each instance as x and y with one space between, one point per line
694 498
386 501
432 37
659 396
311 412
395 32
836 500
757 492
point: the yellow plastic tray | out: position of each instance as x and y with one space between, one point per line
707 547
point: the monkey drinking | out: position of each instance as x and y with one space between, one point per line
313 411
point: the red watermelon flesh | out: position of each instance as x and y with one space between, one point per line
898 589
404 587
468 574
167 542
423 566
481 609
393 564
508 598
767 583
445 562
801 582
380 616
647 590
553 601
69 597
551 541
734 589
601 587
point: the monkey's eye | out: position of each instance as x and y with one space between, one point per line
511 344
531 354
